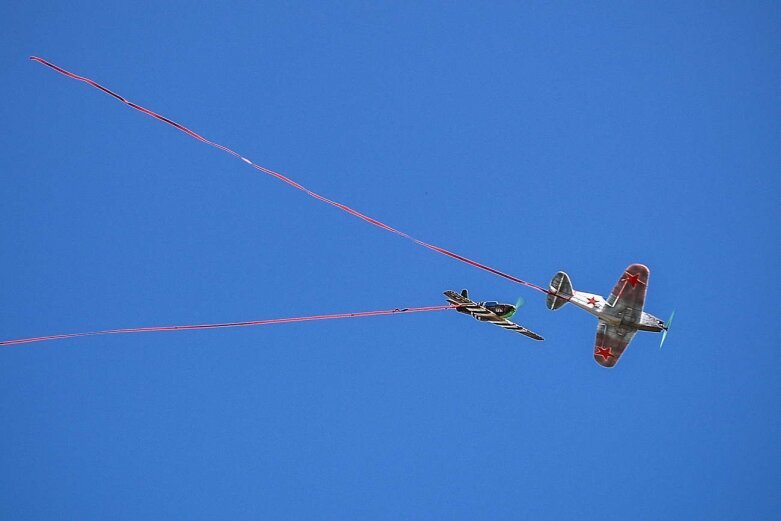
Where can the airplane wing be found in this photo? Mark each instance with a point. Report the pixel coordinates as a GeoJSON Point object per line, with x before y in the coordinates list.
{"type": "Point", "coordinates": [627, 299]}
{"type": "Point", "coordinates": [611, 343]}
{"type": "Point", "coordinates": [485, 315]}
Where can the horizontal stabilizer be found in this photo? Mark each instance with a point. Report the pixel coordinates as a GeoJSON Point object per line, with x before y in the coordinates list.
{"type": "Point", "coordinates": [560, 291]}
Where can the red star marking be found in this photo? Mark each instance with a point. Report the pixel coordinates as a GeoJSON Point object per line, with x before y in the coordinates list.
{"type": "Point", "coordinates": [605, 353]}
{"type": "Point", "coordinates": [632, 279]}
{"type": "Point", "coordinates": [591, 301]}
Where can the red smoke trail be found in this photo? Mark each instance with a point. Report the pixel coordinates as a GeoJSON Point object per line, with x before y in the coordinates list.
{"type": "Point", "coordinates": [225, 325]}
{"type": "Point", "coordinates": [290, 181]}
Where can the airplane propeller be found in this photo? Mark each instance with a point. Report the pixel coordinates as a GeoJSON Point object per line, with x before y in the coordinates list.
{"type": "Point", "coordinates": [666, 328]}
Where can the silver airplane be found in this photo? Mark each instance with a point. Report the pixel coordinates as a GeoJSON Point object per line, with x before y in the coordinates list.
{"type": "Point", "coordinates": [620, 316]}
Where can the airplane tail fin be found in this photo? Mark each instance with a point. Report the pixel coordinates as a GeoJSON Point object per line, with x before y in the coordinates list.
{"type": "Point", "coordinates": [560, 291]}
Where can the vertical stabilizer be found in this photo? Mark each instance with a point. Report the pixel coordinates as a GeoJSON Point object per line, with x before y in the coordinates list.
{"type": "Point", "coordinates": [560, 291]}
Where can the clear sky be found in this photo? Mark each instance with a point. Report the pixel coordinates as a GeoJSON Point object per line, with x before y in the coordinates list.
{"type": "Point", "coordinates": [532, 137]}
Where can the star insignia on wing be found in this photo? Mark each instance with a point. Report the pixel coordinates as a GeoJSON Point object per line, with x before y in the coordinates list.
{"type": "Point", "coordinates": [605, 353]}
{"type": "Point", "coordinates": [591, 301]}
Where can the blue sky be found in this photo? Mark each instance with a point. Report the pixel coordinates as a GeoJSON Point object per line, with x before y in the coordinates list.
{"type": "Point", "coordinates": [531, 137]}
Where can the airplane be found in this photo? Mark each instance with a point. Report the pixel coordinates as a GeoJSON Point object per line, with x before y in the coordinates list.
{"type": "Point", "coordinates": [620, 316]}
{"type": "Point", "coordinates": [491, 312]}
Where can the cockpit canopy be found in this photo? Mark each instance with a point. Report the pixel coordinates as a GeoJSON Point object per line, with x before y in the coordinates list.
{"type": "Point", "coordinates": [503, 310]}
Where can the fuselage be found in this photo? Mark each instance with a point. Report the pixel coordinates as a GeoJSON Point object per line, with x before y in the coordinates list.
{"type": "Point", "coordinates": [598, 306]}
{"type": "Point", "coordinates": [500, 310]}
